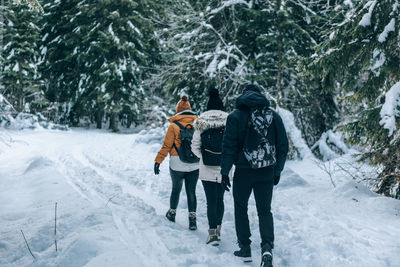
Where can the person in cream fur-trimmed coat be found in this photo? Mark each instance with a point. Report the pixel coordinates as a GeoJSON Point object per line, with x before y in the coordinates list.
{"type": "Point", "coordinates": [210, 176]}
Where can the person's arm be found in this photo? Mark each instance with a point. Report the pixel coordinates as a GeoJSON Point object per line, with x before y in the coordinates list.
{"type": "Point", "coordinates": [196, 143]}
{"type": "Point", "coordinates": [167, 145]}
{"type": "Point", "coordinates": [281, 145]}
{"type": "Point", "coordinates": [229, 145]}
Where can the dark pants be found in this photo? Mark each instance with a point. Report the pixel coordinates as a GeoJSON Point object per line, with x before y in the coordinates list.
{"type": "Point", "coordinates": [261, 182]}
{"type": "Point", "coordinates": [190, 179]}
{"type": "Point", "coordinates": [215, 203]}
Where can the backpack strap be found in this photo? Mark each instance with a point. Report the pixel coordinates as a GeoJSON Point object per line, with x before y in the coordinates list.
{"type": "Point", "coordinates": [177, 151]}
{"type": "Point", "coordinates": [180, 125]}
{"type": "Point", "coordinates": [248, 124]}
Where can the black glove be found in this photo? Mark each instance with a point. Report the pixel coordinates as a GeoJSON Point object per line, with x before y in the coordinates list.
{"type": "Point", "coordinates": [156, 168]}
{"type": "Point", "coordinates": [226, 184]}
{"type": "Point", "coordinates": [276, 179]}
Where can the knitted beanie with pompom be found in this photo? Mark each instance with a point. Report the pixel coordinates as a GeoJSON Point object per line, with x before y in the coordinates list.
{"type": "Point", "coordinates": [183, 104]}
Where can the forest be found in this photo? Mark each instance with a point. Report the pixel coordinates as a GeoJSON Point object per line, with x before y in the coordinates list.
{"type": "Point", "coordinates": [333, 65]}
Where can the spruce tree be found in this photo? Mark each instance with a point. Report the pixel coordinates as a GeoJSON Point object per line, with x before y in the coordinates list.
{"type": "Point", "coordinates": [59, 65]}
{"type": "Point", "coordinates": [20, 54]}
{"type": "Point", "coordinates": [201, 50]}
{"type": "Point", "coordinates": [116, 51]}
{"type": "Point", "coordinates": [366, 47]}
{"type": "Point", "coordinates": [227, 44]}
{"type": "Point", "coordinates": [97, 56]}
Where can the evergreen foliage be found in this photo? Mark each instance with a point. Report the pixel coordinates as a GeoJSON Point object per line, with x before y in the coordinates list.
{"type": "Point", "coordinates": [104, 46]}
{"type": "Point", "coordinates": [225, 44]}
{"type": "Point", "coordinates": [200, 50]}
{"type": "Point", "coordinates": [328, 62]}
{"type": "Point", "coordinates": [20, 80]}
{"type": "Point", "coordinates": [367, 47]}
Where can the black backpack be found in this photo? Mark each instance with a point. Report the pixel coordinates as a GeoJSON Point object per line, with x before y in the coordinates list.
{"type": "Point", "coordinates": [211, 146]}
{"type": "Point", "coordinates": [257, 149]}
{"type": "Point", "coordinates": [185, 152]}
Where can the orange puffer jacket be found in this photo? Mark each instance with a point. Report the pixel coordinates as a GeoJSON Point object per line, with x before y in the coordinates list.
{"type": "Point", "coordinates": [173, 135]}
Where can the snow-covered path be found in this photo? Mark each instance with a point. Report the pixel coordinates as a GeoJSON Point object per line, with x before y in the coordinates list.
{"type": "Point", "coordinates": [111, 210]}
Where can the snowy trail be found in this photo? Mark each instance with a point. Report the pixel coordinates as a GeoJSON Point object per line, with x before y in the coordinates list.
{"type": "Point", "coordinates": [112, 210]}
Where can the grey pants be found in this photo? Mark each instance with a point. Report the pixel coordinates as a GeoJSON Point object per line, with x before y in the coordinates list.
{"type": "Point", "coordinates": [190, 179]}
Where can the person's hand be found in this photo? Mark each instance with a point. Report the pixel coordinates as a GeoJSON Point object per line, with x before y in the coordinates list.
{"type": "Point", "coordinates": [156, 168]}
{"type": "Point", "coordinates": [276, 179]}
{"type": "Point", "coordinates": [226, 184]}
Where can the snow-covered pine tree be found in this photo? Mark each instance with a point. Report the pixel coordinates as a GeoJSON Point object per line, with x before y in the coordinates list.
{"type": "Point", "coordinates": [277, 36]}
{"type": "Point", "coordinates": [362, 59]}
{"type": "Point", "coordinates": [20, 55]}
{"type": "Point", "coordinates": [201, 50]}
{"type": "Point", "coordinates": [315, 108]}
{"type": "Point", "coordinates": [33, 4]}
{"type": "Point", "coordinates": [116, 53]}
{"type": "Point", "coordinates": [97, 57]}
{"type": "Point", "coordinates": [59, 63]}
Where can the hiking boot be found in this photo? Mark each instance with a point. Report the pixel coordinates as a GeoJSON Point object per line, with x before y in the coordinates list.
{"type": "Point", "coordinates": [212, 237]}
{"type": "Point", "coordinates": [244, 253]}
{"type": "Point", "coordinates": [171, 213]}
{"type": "Point", "coordinates": [219, 232]}
{"type": "Point", "coordinates": [266, 259]}
{"type": "Point", "coordinates": [192, 221]}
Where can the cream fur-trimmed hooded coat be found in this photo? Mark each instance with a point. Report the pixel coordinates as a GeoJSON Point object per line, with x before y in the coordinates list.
{"type": "Point", "coordinates": [207, 120]}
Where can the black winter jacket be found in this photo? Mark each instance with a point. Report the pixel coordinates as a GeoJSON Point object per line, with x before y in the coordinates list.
{"type": "Point", "coordinates": [235, 131]}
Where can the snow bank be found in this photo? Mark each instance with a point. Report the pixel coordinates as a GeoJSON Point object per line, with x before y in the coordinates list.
{"type": "Point", "coordinates": [330, 145]}
{"type": "Point", "coordinates": [29, 121]}
{"type": "Point", "coordinates": [294, 133]}
{"type": "Point", "coordinates": [111, 210]}
{"type": "Point", "coordinates": [5, 141]}
{"type": "Point", "coordinates": [23, 120]}
{"type": "Point", "coordinates": [390, 109]}
{"type": "Point", "coordinates": [150, 136]}
{"type": "Point", "coordinates": [5, 108]}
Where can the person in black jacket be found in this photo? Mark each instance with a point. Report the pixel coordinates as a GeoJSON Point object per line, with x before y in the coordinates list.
{"type": "Point", "coordinates": [246, 179]}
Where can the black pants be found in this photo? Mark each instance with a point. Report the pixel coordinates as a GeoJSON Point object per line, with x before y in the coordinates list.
{"type": "Point", "coordinates": [261, 182]}
{"type": "Point", "coordinates": [190, 179]}
{"type": "Point", "coordinates": [215, 203]}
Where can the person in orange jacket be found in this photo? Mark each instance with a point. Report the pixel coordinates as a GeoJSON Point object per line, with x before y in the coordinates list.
{"type": "Point", "coordinates": [180, 171]}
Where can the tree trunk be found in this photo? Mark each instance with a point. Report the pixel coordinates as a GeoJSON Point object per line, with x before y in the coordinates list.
{"type": "Point", "coordinates": [99, 119]}
{"type": "Point", "coordinates": [20, 93]}
{"type": "Point", "coordinates": [129, 120]}
{"type": "Point", "coordinates": [114, 122]}
{"type": "Point", "coordinates": [279, 74]}
{"type": "Point", "coordinates": [280, 55]}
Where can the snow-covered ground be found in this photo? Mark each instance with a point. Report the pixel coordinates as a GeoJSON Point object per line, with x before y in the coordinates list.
{"type": "Point", "coordinates": [110, 209]}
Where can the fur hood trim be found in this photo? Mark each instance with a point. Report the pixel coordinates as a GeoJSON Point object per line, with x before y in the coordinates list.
{"type": "Point", "coordinates": [210, 119]}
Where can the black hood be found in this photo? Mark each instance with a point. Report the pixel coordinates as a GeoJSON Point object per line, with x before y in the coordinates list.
{"type": "Point", "coordinates": [251, 99]}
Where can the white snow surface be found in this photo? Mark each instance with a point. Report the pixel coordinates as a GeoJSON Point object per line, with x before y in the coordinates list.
{"type": "Point", "coordinates": [111, 207]}
{"type": "Point", "coordinates": [294, 133]}
{"type": "Point", "coordinates": [366, 19]}
{"type": "Point", "coordinates": [391, 108]}
{"type": "Point", "coordinates": [388, 28]}
{"type": "Point", "coordinates": [330, 138]}
{"type": "Point", "coordinates": [378, 60]}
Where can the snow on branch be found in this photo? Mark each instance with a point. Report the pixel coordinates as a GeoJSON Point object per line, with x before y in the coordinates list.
{"type": "Point", "coordinates": [366, 19]}
{"type": "Point", "coordinates": [390, 108]}
{"type": "Point", "coordinates": [294, 133]}
{"type": "Point", "coordinates": [330, 145]}
{"type": "Point", "coordinates": [388, 28]}
{"type": "Point", "coordinates": [230, 3]}
{"type": "Point", "coordinates": [33, 4]}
